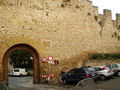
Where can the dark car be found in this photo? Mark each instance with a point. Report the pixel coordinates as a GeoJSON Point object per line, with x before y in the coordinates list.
{"type": "Point", "coordinates": [77, 74]}
{"type": "Point", "coordinates": [3, 86]}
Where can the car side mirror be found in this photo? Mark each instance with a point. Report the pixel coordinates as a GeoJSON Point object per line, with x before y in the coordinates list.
{"type": "Point", "coordinates": [69, 74]}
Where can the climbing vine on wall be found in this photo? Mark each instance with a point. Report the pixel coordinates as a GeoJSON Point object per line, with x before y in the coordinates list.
{"type": "Point", "coordinates": [66, 0]}
{"type": "Point", "coordinates": [96, 18]}
{"type": "Point", "coordinates": [89, 14]}
{"type": "Point", "coordinates": [105, 56]}
{"type": "Point", "coordinates": [65, 3]}
{"type": "Point", "coordinates": [77, 6]}
{"type": "Point", "coordinates": [118, 27]}
{"type": "Point", "coordinates": [101, 23]}
{"type": "Point", "coordinates": [116, 33]}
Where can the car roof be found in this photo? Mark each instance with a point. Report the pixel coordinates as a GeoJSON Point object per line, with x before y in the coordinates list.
{"type": "Point", "coordinates": [83, 67]}
{"type": "Point", "coordinates": [114, 63]}
{"type": "Point", "coordinates": [18, 68]}
{"type": "Point", "coordinates": [101, 66]}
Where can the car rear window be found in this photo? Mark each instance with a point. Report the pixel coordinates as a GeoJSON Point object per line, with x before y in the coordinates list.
{"type": "Point", "coordinates": [91, 69]}
{"type": "Point", "coordinates": [102, 68]}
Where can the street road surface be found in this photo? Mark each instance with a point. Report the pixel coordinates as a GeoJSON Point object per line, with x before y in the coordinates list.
{"type": "Point", "coordinates": [25, 83]}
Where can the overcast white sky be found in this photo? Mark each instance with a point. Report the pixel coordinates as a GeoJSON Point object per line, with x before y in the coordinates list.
{"type": "Point", "coordinates": [113, 5]}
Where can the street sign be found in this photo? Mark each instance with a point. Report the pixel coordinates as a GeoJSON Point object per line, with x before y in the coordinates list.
{"type": "Point", "coordinates": [56, 62]}
{"type": "Point", "coordinates": [50, 58]}
{"type": "Point", "coordinates": [44, 59]}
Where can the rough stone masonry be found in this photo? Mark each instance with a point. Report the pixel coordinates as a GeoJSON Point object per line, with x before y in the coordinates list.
{"type": "Point", "coordinates": [68, 30]}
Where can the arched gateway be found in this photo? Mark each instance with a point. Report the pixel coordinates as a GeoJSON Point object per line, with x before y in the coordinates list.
{"type": "Point", "coordinates": [36, 67]}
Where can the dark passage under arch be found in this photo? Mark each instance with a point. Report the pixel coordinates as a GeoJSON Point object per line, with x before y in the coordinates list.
{"type": "Point", "coordinates": [35, 55]}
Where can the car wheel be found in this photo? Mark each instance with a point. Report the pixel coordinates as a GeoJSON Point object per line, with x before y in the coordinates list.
{"type": "Point", "coordinates": [111, 77]}
{"type": "Point", "coordinates": [118, 74]}
{"type": "Point", "coordinates": [65, 82]}
{"type": "Point", "coordinates": [102, 77]}
{"type": "Point", "coordinates": [21, 75]}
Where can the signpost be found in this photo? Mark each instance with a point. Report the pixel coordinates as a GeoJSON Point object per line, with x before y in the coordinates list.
{"type": "Point", "coordinates": [51, 62]}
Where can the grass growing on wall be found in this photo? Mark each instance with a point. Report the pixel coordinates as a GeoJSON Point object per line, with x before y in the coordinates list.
{"type": "Point", "coordinates": [105, 56]}
{"type": "Point", "coordinates": [96, 18]}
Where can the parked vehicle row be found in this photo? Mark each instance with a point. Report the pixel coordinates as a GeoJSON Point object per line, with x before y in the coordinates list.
{"type": "Point", "coordinates": [97, 72]}
{"type": "Point", "coordinates": [77, 74]}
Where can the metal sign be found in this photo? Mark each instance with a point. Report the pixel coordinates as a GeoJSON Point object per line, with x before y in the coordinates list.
{"type": "Point", "coordinates": [44, 59]}
{"type": "Point", "coordinates": [50, 58]}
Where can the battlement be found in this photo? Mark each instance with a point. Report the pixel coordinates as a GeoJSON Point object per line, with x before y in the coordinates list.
{"type": "Point", "coordinates": [107, 13]}
{"type": "Point", "coordinates": [90, 2]}
{"type": "Point", "coordinates": [118, 17]}
{"type": "Point", "coordinates": [95, 9]}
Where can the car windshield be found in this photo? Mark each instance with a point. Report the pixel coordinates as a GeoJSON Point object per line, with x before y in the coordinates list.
{"type": "Point", "coordinates": [107, 68]}
{"type": "Point", "coordinates": [16, 70]}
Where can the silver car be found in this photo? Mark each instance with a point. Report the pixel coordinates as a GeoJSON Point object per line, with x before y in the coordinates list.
{"type": "Point", "coordinates": [104, 72]}
{"type": "Point", "coordinates": [115, 67]}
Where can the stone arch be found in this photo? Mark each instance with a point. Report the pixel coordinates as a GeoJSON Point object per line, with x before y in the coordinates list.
{"type": "Point", "coordinates": [7, 43]}
{"type": "Point", "coordinates": [35, 55]}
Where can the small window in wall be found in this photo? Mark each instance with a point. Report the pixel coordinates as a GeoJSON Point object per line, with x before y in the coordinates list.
{"type": "Point", "coordinates": [46, 43]}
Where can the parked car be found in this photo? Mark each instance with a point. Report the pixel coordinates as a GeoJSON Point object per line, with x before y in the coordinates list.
{"type": "Point", "coordinates": [104, 72]}
{"type": "Point", "coordinates": [77, 74]}
{"type": "Point", "coordinates": [3, 86]}
{"type": "Point", "coordinates": [10, 72]}
{"type": "Point", "coordinates": [115, 67]}
{"type": "Point", "coordinates": [19, 72]}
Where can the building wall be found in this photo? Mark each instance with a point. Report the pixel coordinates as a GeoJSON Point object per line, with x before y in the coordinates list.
{"type": "Point", "coordinates": [68, 30]}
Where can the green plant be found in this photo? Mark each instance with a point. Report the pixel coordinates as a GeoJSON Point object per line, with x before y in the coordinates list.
{"type": "Point", "coordinates": [118, 27]}
{"type": "Point", "coordinates": [118, 37]}
{"type": "Point", "coordinates": [66, 0]}
{"type": "Point", "coordinates": [105, 56]}
{"type": "Point", "coordinates": [112, 36]}
{"type": "Point", "coordinates": [96, 18]}
{"type": "Point", "coordinates": [77, 6]}
{"type": "Point", "coordinates": [100, 23]}
{"type": "Point", "coordinates": [62, 5]}
{"type": "Point", "coordinates": [115, 34]}
{"type": "Point", "coordinates": [20, 57]}
{"type": "Point", "coordinates": [47, 13]}
{"type": "Point", "coordinates": [89, 14]}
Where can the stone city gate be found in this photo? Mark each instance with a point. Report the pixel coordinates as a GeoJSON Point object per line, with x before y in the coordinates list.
{"type": "Point", "coordinates": [36, 68]}
{"type": "Point", "coordinates": [64, 29]}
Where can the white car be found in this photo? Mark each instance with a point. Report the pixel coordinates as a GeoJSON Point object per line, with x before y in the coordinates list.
{"type": "Point", "coordinates": [19, 72]}
{"type": "Point", "coordinates": [104, 72]}
{"type": "Point", "coordinates": [116, 68]}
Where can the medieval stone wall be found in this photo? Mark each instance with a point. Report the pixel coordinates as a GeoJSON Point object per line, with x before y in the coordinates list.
{"type": "Point", "coordinates": [68, 30]}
